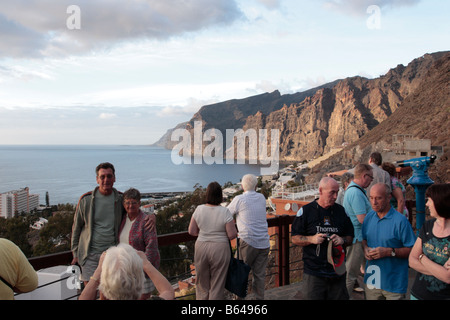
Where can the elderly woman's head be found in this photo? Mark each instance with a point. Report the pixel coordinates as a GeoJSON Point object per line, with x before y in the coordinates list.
{"type": "Point", "coordinates": [347, 177]}
{"type": "Point", "coordinates": [132, 202]}
{"type": "Point", "coordinates": [132, 194]}
{"type": "Point", "coordinates": [122, 274]}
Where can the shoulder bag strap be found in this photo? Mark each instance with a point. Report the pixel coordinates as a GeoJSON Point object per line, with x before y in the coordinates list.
{"type": "Point", "coordinates": [237, 248]}
{"type": "Point", "coordinates": [7, 283]}
{"type": "Point", "coordinates": [355, 186]}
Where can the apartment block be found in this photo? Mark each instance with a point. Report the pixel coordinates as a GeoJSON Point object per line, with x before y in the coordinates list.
{"type": "Point", "coordinates": [17, 201]}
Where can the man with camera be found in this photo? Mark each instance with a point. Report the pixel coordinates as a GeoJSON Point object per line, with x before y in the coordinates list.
{"type": "Point", "coordinates": [316, 225]}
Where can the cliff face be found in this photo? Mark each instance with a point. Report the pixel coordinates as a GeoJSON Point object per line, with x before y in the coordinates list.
{"type": "Point", "coordinates": [337, 116]}
{"type": "Point", "coordinates": [313, 122]}
{"type": "Point", "coordinates": [424, 113]}
{"type": "Point", "coordinates": [232, 114]}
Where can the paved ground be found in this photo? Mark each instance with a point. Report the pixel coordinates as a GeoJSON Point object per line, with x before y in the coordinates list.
{"type": "Point", "coordinates": [294, 291]}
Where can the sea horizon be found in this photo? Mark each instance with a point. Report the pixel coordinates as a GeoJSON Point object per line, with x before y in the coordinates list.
{"type": "Point", "coordinates": [67, 171]}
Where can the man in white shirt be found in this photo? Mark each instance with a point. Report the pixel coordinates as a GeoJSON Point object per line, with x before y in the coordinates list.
{"type": "Point", "coordinates": [379, 175]}
{"type": "Point", "coordinates": [251, 219]}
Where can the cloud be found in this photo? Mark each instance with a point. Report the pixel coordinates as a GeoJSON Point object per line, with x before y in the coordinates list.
{"type": "Point", "coordinates": [81, 125]}
{"type": "Point", "coordinates": [266, 86]}
{"type": "Point", "coordinates": [271, 4]}
{"type": "Point", "coordinates": [193, 105]}
{"type": "Point", "coordinates": [107, 116]}
{"type": "Point", "coordinates": [33, 28]}
{"type": "Point", "coordinates": [21, 72]}
{"type": "Point", "coordinates": [359, 7]}
{"type": "Point", "coordinates": [285, 87]}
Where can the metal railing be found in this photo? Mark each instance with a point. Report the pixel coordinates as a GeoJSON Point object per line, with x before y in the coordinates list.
{"type": "Point", "coordinates": [282, 250]}
{"type": "Point", "coordinates": [282, 264]}
{"type": "Point", "coordinates": [303, 192]}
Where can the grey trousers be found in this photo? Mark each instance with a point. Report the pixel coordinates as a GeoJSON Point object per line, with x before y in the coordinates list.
{"type": "Point", "coordinates": [257, 259]}
{"type": "Point", "coordinates": [211, 266]}
{"type": "Point", "coordinates": [354, 260]}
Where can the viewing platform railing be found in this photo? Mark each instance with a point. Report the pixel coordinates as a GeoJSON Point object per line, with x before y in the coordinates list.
{"type": "Point", "coordinates": [282, 265]}
{"type": "Point", "coordinates": [281, 250]}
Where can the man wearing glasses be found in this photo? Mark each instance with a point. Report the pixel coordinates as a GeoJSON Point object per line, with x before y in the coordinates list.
{"type": "Point", "coordinates": [357, 205]}
{"type": "Point", "coordinates": [97, 219]}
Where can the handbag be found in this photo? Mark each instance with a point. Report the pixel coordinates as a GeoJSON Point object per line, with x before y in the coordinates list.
{"type": "Point", "coordinates": [237, 276]}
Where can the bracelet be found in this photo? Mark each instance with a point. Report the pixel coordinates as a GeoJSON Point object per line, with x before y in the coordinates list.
{"type": "Point", "coordinates": [95, 279]}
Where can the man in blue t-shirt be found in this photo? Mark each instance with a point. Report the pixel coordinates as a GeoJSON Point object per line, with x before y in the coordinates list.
{"type": "Point", "coordinates": [357, 206]}
{"type": "Point", "coordinates": [387, 241]}
{"type": "Point", "coordinates": [315, 225]}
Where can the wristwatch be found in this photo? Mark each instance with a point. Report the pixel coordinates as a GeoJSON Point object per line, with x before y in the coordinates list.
{"type": "Point", "coordinates": [393, 252]}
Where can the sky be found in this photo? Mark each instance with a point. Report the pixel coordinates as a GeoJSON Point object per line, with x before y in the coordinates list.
{"type": "Point", "coordinates": [126, 71]}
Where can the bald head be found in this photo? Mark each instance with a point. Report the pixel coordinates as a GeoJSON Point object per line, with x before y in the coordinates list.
{"type": "Point", "coordinates": [379, 188]}
{"type": "Point", "coordinates": [379, 198]}
{"type": "Point", "coordinates": [328, 190]}
{"type": "Point", "coordinates": [326, 182]}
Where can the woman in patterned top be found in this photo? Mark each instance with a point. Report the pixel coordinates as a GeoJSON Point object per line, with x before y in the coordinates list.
{"type": "Point", "coordinates": [431, 252]}
{"type": "Point", "coordinates": [134, 232]}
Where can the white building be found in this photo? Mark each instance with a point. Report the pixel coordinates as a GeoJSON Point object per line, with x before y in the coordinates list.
{"type": "Point", "coordinates": [33, 201]}
{"type": "Point", "coordinates": [17, 201]}
{"type": "Point", "coordinates": [39, 224]}
{"type": "Point", "coordinates": [148, 208]}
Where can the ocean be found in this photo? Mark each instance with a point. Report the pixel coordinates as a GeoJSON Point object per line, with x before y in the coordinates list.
{"type": "Point", "coordinates": [66, 172]}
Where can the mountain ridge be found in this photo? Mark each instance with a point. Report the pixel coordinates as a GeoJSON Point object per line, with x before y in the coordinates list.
{"type": "Point", "coordinates": [429, 103]}
{"type": "Point", "coordinates": [336, 114]}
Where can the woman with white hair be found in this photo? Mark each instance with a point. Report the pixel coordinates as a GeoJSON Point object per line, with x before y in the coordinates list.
{"type": "Point", "coordinates": [120, 276]}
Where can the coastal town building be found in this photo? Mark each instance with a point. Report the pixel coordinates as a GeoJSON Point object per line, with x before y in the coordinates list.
{"type": "Point", "coordinates": [17, 201]}
{"type": "Point", "coordinates": [406, 146]}
{"type": "Point", "coordinates": [148, 208]}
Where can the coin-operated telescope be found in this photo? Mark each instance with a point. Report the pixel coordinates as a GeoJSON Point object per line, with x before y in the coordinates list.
{"type": "Point", "coordinates": [420, 181]}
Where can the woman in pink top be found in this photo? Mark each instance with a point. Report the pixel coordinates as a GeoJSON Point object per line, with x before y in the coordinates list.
{"type": "Point", "coordinates": [136, 232]}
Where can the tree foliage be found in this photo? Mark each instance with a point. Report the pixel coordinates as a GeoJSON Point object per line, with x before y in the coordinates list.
{"type": "Point", "coordinates": [55, 235]}
{"type": "Point", "coordinates": [52, 237]}
{"type": "Point", "coordinates": [16, 229]}
{"type": "Point", "coordinates": [172, 217]}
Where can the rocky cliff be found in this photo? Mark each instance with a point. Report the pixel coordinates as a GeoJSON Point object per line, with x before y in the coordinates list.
{"type": "Point", "coordinates": [233, 114]}
{"type": "Point", "coordinates": [340, 113]}
{"type": "Point", "coordinates": [423, 113]}
{"type": "Point", "coordinates": [338, 116]}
